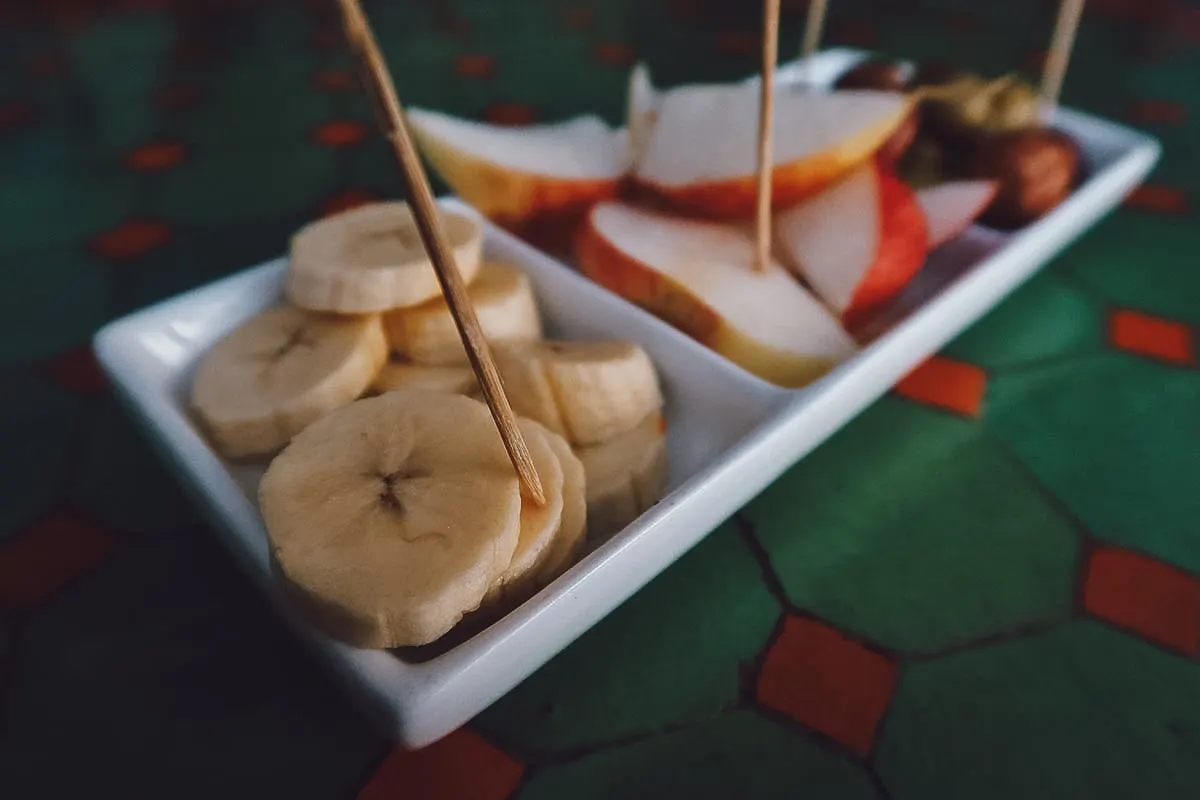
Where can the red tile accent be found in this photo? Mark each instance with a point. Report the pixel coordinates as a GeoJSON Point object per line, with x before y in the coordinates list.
{"type": "Point", "coordinates": [1157, 112]}
{"type": "Point", "coordinates": [15, 113]}
{"type": "Point", "coordinates": [132, 238]}
{"type": "Point", "coordinates": [45, 65]}
{"type": "Point", "coordinates": [1189, 25]}
{"type": "Point", "coordinates": [509, 114]}
{"type": "Point", "coordinates": [76, 370]}
{"type": "Point", "coordinates": [1152, 337]}
{"type": "Point", "coordinates": [579, 18]}
{"type": "Point", "coordinates": [952, 385]}
{"type": "Point", "coordinates": [827, 682]}
{"type": "Point", "coordinates": [618, 55]}
{"type": "Point", "coordinates": [688, 10]}
{"type": "Point", "coordinates": [1146, 596]}
{"type": "Point", "coordinates": [155, 156]}
{"type": "Point", "coordinates": [340, 133]}
{"type": "Point", "coordinates": [462, 766]}
{"type": "Point", "coordinates": [1158, 199]}
{"type": "Point", "coordinates": [346, 200]}
{"type": "Point", "coordinates": [38, 561]}
{"type": "Point", "coordinates": [333, 80]}
{"type": "Point", "coordinates": [475, 66]}
{"type": "Point", "coordinates": [177, 97]}
{"type": "Point", "coordinates": [738, 43]}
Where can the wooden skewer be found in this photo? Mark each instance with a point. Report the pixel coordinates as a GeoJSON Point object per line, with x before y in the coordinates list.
{"type": "Point", "coordinates": [390, 116]}
{"type": "Point", "coordinates": [814, 26]}
{"type": "Point", "coordinates": [766, 125]}
{"type": "Point", "coordinates": [1069, 14]}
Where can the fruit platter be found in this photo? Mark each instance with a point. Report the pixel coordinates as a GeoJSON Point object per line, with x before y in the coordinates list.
{"type": "Point", "coordinates": [323, 410]}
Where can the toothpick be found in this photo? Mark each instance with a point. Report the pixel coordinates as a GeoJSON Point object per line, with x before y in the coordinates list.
{"type": "Point", "coordinates": [390, 116]}
{"type": "Point", "coordinates": [766, 124]}
{"type": "Point", "coordinates": [1055, 71]}
{"type": "Point", "coordinates": [814, 26]}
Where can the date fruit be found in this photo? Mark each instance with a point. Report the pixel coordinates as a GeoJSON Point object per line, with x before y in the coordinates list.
{"type": "Point", "coordinates": [1035, 170]}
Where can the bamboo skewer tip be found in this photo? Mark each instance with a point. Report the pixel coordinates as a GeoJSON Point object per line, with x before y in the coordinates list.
{"type": "Point", "coordinates": [390, 118]}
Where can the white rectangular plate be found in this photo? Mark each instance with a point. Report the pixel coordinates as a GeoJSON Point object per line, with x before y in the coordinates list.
{"type": "Point", "coordinates": [729, 433]}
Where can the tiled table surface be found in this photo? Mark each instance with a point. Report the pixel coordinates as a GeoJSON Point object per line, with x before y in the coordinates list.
{"type": "Point", "coordinates": [986, 586]}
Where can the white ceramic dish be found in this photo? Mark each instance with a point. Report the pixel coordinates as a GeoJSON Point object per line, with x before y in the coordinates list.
{"type": "Point", "coordinates": [729, 433]}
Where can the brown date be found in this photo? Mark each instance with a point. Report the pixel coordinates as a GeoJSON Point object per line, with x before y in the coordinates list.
{"type": "Point", "coordinates": [1035, 169]}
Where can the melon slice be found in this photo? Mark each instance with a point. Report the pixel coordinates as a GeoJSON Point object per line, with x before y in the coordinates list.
{"type": "Point", "coordinates": [700, 155]}
{"type": "Point", "coordinates": [698, 276]}
{"type": "Point", "coordinates": [857, 244]}
{"type": "Point", "coordinates": [520, 175]}
{"type": "Point", "coordinates": [950, 208]}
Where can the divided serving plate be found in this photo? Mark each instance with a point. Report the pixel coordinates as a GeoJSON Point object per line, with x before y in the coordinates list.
{"type": "Point", "coordinates": [729, 433]}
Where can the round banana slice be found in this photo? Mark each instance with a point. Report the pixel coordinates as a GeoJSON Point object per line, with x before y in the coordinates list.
{"type": "Point", "coordinates": [401, 375]}
{"type": "Point", "coordinates": [504, 303]}
{"type": "Point", "coordinates": [540, 525]}
{"type": "Point", "coordinates": [371, 258]}
{"type": "Point", "coordinates": [625, 476]}
{"type": "Point", "coordinates": [585, 391]}
{"type": "Point", "coordinates": [573, 530]}
{"type": "Point", "coordinates": [279, 372]}
{"type": "Point", "coordinates": [393, 516]}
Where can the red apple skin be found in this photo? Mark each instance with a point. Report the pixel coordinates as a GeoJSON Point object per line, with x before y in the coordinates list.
{"type": "Point", "coordinates": [611, 268]}
{"type": "Point", "coordinates": [903, 248]}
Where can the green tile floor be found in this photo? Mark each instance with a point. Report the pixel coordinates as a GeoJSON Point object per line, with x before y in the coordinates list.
{"type": "Point", "coordinates": [988, 585]}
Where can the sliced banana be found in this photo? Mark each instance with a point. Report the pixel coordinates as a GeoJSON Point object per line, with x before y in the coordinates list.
{"type": "Point", "coordinates": [585, 391]}
{"type": "Point", "coordinates": [625, 476]}
{"type": "Point", "coordinates": [504, 303]}
{"type": "Point", "coordinates": [371, 258]}
{"type": "Point", "coordinates": [527, 384]}
{"type": "Point", "coordinates": [393, 516]}
{"type": "Point", "coordinates": [401, 375]}
{"type": "Point", "coordinates": [281, 371]}
{"type": "Point", "coordinates": [573, 530]}
{"type": "Point", "coordinates": [540, 525]}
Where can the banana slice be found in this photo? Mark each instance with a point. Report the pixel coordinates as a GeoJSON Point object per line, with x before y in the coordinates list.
{"type": "Point", "coordinates": [393, 516]}
{"type": "Point", "coordinates": [504, 302]}
{"type": "Point", "coordinates": [401, 375]}
{"type": "Point", "coordinates": [625, 476]}
{"type": "Point", "coordinates": [540, 525]}
{"type": "Point", "coordinates": [585, 391]}
{"type": "Point", "coordinates": [279, 372]}
{"type": "Point", "coordinates": [573, 530]}
{"type": "Point", "coordinates": [371, 258]}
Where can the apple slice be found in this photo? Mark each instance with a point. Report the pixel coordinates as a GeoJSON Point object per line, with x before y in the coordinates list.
{"type": "Point", "coordinates": [698, 277]}
{"type": "Point", "coordinates": [950, 208]}
{"type": "Point", "coordinates": [519, 175]}
{"type": "Point", "coordinates": [857, 244]}
{"type": "Point", "coordinates": [700, 155]}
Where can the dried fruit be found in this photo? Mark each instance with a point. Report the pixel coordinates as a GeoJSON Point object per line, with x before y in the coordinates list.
{"type": "Point", "coordinates": [971, 105]}
{"type": "Point", "coordinates": [1035, 169]}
